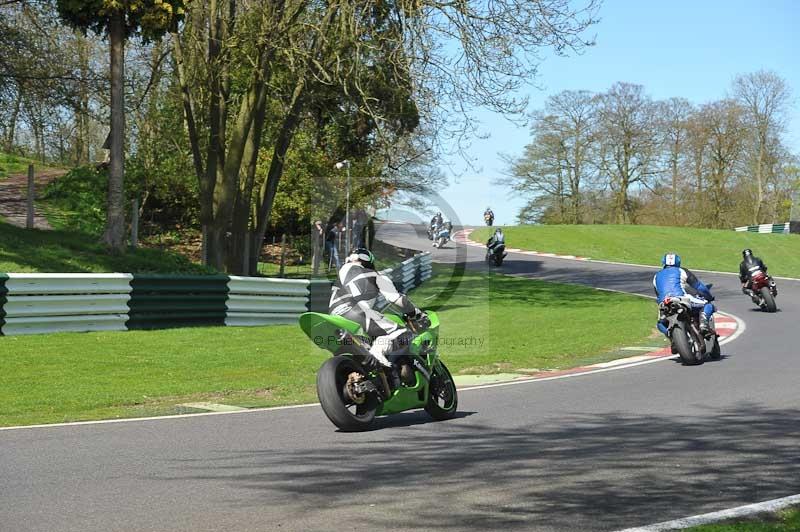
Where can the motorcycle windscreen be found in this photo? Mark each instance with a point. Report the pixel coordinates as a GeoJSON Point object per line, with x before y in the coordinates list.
{"type": "Point", "coordinates": [324, 329]}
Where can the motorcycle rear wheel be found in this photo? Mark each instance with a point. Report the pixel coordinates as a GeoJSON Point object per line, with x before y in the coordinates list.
{"type": "Point", "coordinates": [331, 391]}
{"type": "Point", "coordinates": [769, 300]}
{"type": "Point", "coordinates": [443, 398]}
{"type": "Point", "coordinates": [684, 346]}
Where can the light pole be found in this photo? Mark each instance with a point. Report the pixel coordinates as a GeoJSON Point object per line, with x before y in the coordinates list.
{"type": "Point", "coordinates": [346, 165]}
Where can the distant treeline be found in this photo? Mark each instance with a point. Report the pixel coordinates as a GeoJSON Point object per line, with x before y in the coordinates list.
{"type": "Point", "coordinates": [622, 157]}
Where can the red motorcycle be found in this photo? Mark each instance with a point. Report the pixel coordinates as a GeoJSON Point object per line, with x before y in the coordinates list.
{"type": "Point", "coordinates": [763, 291]}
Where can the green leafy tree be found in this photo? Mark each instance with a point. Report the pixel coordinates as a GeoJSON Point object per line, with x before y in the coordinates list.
{"type": "Point", "coordinates": [120, 19]}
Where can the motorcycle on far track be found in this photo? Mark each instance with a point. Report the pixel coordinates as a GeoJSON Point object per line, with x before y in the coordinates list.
{"type": "Point", "coordinates": [687, 339]}
{"type": "Point", "coordinates": [763, 292]}
{"type": "Point", "coordinates": [442, 236]}
{"type": "Point", "coordinates": [496, 254]}
{"type": "Point", "coordinates": [352, 396]}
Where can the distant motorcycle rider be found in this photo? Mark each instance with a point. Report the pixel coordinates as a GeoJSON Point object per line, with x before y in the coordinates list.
{"type": "Point", "coordinates": [497, 239]}
{"type": "Point", "coordinates": [437, 220]}
{"type": "Point", "coordinates": [488, 216]}
{"type": "Point", "coordinates": [748, 268]}
{"type": "Point", "coordinates": [353, 296]}
{"type": "Point", "coordinates": [672, 281]}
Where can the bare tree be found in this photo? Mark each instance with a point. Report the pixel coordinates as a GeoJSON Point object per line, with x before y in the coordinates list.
{"type": "Point", "coordinates": [673, 126]}
{"type": "Point", "coordinates": [559, 160]}
{"type": "Point", "coordinates": [764, 96]}
{"type": "Point", "coordinates": [628, 141]}
{"type": "Point", "coordinates": [724, 131]}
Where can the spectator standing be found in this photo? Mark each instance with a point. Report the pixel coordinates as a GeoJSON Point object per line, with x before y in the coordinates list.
{"type": "Point", "coordinates": [331, 241]}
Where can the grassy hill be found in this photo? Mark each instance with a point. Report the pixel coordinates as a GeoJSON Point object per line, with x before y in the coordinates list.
{"type": "Point", "coordinates": [23, 251]}
{"type": "Point", "coordinates": [707, 249]}
{"type": "Point", "coordinates": [15, 164]}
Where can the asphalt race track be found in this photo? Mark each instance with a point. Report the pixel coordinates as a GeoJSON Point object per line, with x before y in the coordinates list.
{"type": "Point", "coordinates": [595, 452]}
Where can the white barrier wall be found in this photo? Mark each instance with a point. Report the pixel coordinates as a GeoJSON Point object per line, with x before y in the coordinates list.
{"type": "Point", "coordinates": [765, 228]}
{"type": "Point", "coordinates": [254, 301]}
{"type": "Point", "coordinates": [38, 303]}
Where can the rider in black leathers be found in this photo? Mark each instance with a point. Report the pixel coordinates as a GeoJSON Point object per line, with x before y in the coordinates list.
{"type": "Point", "coordinates": [749, 266]}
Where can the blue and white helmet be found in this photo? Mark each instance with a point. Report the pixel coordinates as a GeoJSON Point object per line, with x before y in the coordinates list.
{"type": "Point", "coordinates": [671, 259]}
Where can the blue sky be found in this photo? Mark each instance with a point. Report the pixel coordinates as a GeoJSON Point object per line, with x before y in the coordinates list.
{"type": "Point", "coordinates": [691, 49]}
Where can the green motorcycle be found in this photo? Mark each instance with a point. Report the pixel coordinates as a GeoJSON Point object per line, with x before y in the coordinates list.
{"type": "Point", "coordinates": [352, 396]}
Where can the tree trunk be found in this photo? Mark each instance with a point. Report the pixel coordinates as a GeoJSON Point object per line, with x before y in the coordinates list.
{"type": "Point", "coordinates": [284, 139]}
{"type": "Point", "coordinates": [11, 133]}
{"type": "Point", "coordinates": [115, 213]}
{"type": "Point", "coordinates": [759, 182]}
{"type": "Point", "coordinates": [82, 126]}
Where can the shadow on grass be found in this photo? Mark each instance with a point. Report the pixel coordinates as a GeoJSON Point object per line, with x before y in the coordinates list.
{"type": "Point", "coordinates": [505, 290]}
{"type": "Point", "coordinates": [580, 472]}
{"type": "Point", "coordinates": [68, 251]}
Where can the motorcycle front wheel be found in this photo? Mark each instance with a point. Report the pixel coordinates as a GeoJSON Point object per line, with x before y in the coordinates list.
{"type": "Point", "coordinates": [336, 402]}
{"type": "Point", "coordinates": [443, 396]}
{"type": "Point", "coordinates": [684, 346]}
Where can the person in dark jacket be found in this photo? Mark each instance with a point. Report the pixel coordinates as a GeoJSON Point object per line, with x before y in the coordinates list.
{"type": "Point", "coordinates": [749, 268]}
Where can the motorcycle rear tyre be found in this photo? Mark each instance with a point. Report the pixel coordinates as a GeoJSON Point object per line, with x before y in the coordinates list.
{"type": "Point", "coordinates": [331, 379]}
{"type": "Point", "coordinates": [769, 300]}
{"type": "Point", "coordinates": [682, 344]}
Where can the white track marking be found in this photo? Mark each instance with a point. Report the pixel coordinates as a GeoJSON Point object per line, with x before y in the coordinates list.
{"type": "Point", "coordinates": [713, 517]}
{"type": "Point", "coordinates": [157, 418]}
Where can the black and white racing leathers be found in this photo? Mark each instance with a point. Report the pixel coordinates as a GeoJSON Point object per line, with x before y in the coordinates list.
{"type": "Point", "coordinates": [353, 296]}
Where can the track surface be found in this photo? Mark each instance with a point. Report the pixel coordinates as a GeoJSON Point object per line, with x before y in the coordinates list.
{"type": "Point", "coordinates": [597, 452]}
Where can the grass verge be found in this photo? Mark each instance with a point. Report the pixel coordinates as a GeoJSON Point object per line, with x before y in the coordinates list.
{"type": "Point", "coordinates": [24, 251]}
{"type": "Point", "coordinates": [490, 323]}
{"type": "Point", "coordinates": [783, 521]}
{"type": "Point", "coordinates": [707, 249]}
{"type": "Point", "coordinates": [15, 164]}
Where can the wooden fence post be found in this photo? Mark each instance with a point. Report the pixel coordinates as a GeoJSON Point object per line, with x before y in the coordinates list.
{"type": "Point", "coordinates": [283, 255]}
{"type": "Point", "coordinates": [315, 260]}
{"type": "Point", "coordinates": [134, 223]}
{"type": "Point", "coordinates": [29, 218]}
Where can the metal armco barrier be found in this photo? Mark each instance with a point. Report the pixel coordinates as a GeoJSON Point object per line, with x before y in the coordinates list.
{"type": "Point", "coordinates": [319, 294]}
{"type": "Point", "coordinates": [765, 228]}
{"type": "Point", "coordinates": [166, 301]}
{"type": "Point", "coordinates": [3, 291]}
{"type": "Point", "coordinates": [253, 301]}
{"type": "Point", "coordinates": [37, 303]}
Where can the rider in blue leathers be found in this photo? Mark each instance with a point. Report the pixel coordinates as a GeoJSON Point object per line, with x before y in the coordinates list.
{"type": "Point", "coordinates": [672, 281]}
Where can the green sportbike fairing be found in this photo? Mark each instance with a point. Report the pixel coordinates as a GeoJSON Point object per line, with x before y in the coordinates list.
{"type": "Point", "coordinates": [352, 396]}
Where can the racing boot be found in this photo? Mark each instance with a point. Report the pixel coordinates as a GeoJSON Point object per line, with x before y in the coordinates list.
{"type": "Point", "coordinates": [705, 325]}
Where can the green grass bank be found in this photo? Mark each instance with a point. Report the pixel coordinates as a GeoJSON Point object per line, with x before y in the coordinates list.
{"type": "Point", "coordinates": [490, 323]}
{"type": "Point", "coordinates": [27, 251]}
{"type": "Point", "coordinates": [706, 249]}
{"type": "Point", "coordinates": [783, 521]}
